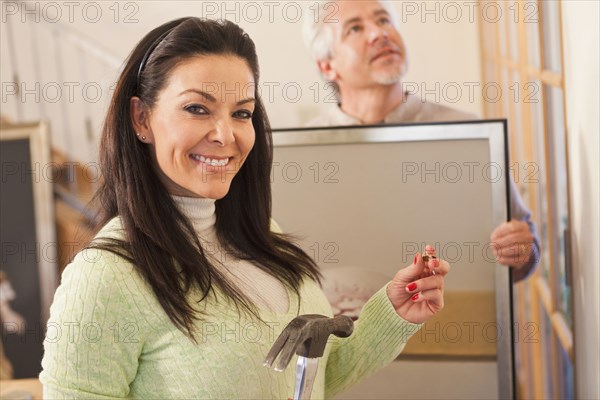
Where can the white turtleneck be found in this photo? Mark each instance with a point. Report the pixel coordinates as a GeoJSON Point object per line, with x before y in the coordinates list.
{"type": "Point", "coordinates": [266, 291]}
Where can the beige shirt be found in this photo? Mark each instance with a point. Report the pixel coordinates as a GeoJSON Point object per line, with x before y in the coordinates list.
{"type": "Point", "coordinates": [413, 109]}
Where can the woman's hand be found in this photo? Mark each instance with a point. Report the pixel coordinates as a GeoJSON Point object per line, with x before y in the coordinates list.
{"type": "Point", "coordinates": [417, 291]}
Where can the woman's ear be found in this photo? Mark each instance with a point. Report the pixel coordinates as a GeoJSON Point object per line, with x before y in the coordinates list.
{"type": "Point", "coordinates": [140, 119]}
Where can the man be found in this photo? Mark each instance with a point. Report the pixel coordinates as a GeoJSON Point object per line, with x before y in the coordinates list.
{"type": "Point", "coordinates": [358, 48]}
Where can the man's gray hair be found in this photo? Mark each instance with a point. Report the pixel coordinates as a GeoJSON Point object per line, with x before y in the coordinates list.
{"type": "Point", "coordinates": [318, 37]}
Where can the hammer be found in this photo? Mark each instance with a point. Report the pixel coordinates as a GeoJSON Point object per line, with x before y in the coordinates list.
{"type": "Point", "coordinates": [306, 336]}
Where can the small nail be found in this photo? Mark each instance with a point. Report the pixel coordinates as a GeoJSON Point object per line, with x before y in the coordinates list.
{"type": "Point", "coordinates": [411, 287]}
{"type": "Point", "coordinates": [415, 260]}
{"type": "Point", "coordinates": [435, 263]}
{"type": "Point", "coordinates": [415, 297]}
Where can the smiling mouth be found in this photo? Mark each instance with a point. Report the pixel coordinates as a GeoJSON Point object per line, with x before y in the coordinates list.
{"type": "Point", "coordinates": [214, 162]}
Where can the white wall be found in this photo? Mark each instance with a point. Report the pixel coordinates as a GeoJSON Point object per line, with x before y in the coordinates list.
{"type": "Point", "coordinates": [580, 40]}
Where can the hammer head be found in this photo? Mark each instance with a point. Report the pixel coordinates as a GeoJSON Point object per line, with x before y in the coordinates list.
{"type": "Point", "coordinates": [306, 335]}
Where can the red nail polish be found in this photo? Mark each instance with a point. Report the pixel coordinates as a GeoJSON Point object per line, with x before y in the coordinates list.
{"type": "Point", "coordinates": [415, 297]}
{"type": "Point", "coordinates": [411, 287]}
{"type": "Point", "coordinates": [415, 260]}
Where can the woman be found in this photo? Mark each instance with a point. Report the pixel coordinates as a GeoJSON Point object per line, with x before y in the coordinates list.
{"type": "Point", "coordinates": [185, 287]}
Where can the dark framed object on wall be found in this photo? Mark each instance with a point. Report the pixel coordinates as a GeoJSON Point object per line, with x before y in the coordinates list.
{"type": "Point", "coordinates": [29, 248]}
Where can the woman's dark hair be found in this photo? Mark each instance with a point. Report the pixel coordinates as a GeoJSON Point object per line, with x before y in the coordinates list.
{"type": "Point", "coordinates": [160, 241]}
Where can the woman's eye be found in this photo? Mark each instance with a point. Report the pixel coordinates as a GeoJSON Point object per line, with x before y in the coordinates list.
{"type": "Point", "coordinates": [242, 114]}
{"type": "Point", "coordinates": [384, 21]}
{"type": "Point", "coordinates": [196, 109]}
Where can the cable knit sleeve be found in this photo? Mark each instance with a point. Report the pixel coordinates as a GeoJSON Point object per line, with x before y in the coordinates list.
{"type": "Point", "coordinates": [94, 334]}
{"type": "Point", "coordinates": [379, 337]}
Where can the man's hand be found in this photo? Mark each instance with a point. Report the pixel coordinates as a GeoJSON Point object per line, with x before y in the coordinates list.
{"type": "Point", "coordinates": [417, 291]}
{"type": "Point", "coordinates": [512, 243]}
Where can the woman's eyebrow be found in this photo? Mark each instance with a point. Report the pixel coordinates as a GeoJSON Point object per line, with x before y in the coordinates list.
{"type": "Point", "coordinates": [209, 97]}
{"type": "Point", "coordinates": [248, 100]}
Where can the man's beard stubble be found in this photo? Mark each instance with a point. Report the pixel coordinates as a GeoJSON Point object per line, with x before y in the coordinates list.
{"type": "Point", "coordinates": [391, 77]}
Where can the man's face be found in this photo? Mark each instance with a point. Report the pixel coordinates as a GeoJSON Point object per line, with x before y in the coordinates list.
{"type": "Point", "coordinates": [367, 49]}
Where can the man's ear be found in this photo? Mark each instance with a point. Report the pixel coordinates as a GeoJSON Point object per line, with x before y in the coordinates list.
{"type": "Point", "coordinates": [327, 70]}
{"type": "Point", "coordinates": [140, 119]}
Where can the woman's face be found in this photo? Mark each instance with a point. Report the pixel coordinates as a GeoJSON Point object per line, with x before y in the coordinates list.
{"type": "Point", "coordinates": [200, 127]}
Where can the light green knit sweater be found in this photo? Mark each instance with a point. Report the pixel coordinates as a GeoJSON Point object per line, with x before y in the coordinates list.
{"type": "Point", "coordinates": [108, 337]}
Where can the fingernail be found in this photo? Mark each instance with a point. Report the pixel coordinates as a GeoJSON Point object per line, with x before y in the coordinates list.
{"type": "Point", "coordinates": [415, 260]}
{"type": "Point", "coordinates": [411, 287]}
{"type": "Point", "coordinates": [415, 297]}
{"type": "Point", "coordinates": [436, 263]}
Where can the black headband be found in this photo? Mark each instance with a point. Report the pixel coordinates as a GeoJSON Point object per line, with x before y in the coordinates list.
{"type": "Point", "coordinates": [149, 52]}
